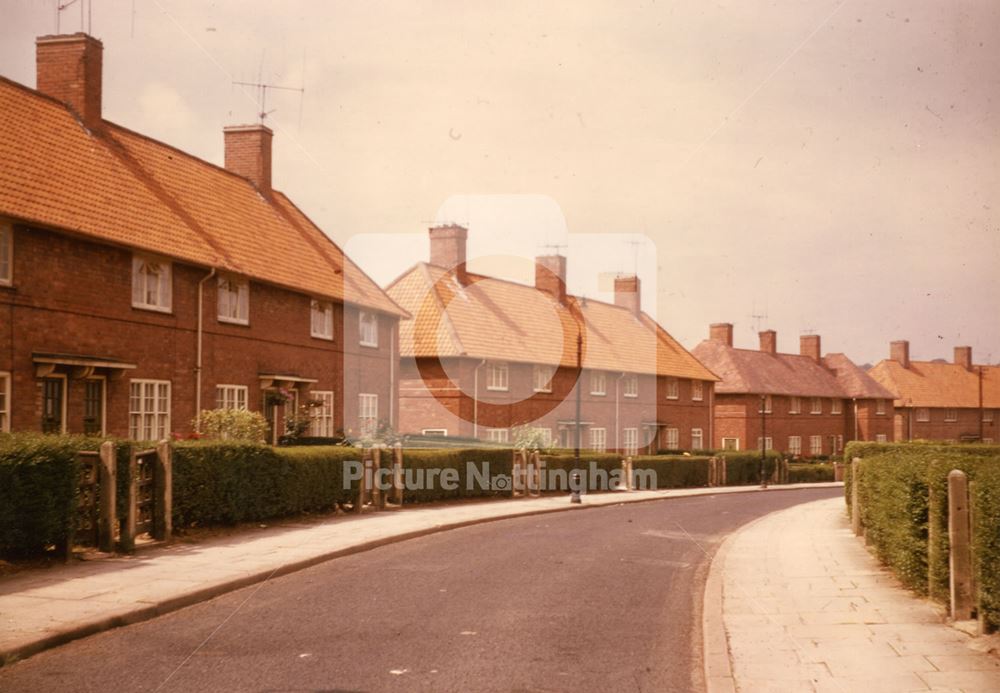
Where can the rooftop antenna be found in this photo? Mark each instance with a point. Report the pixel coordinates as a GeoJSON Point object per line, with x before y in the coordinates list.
{"type": "Point", "coordinates": [757, 318]}
{"type": "Point", "coordinates": [64, 5]}
{"type": "Point", "coordinates": [555, 247]}
{"type": "Point", "coordinates": [262, 88]}
{"type": "Point", "coordinates": [635, 243]}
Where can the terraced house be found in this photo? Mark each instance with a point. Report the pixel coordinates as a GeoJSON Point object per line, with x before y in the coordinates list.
{"type": "Point", "coordinates": [140, 284]}
{"type": "Point", "coordinates": [938, 400]}
{"type": "Point", "coordinates": [483, 355]}
{"type": "Point", "coordinates": [803, 404]}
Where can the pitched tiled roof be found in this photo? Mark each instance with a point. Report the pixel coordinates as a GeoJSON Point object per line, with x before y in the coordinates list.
{"type": "Point", "coordinates": [931, 384]}
{"type": "Point", "coordinates": [497, 319]}
{"type": "Point", "coordinates": [121, 187]}
{"type": "Point", "coordinates": [746, 371]}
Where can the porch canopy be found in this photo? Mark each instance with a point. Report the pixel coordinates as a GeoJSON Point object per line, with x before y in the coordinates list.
{"type": "Point", "coordinates": [78, 365]}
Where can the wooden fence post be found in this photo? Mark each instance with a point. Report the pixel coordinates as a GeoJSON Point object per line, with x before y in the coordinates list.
{"type": "Point", "coordinates": [720, 470]}
{"type": "Point", "coordinates": [397, 474]}
{"type": "Point", "coordinates": [517, 474]}
{"type": "Point", "coordinates": [109, 511]}
{"type": "Point", "coordinates": [362, 482]}
{"type": "Point", "coordinates": [163, 505]}
{"type": "Point", "coordinates": [378, 498]}
{"type": "Point", "coordinates": [960, 543]}
{"type": "Point", "coordinates": [127, 535]}
{"type": "Point", "coordinates": [533, 483]}
{"type": "Point", "coordinates": [855, 496]}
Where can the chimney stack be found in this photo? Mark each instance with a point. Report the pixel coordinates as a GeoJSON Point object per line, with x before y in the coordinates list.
{"type": "Point", "coordinates": [721, 332]}
{"type": "Point", "coordinates": [769, 341]}
{"type": "Point", "coordinates": [550, 276]}
{"type": "Point", "coordinates": [809, 346]}
{"type": "Point", "coordinates": [248, 154]}
{"type": "Point", "coordinates": [448, 249]}
{"type": "Point", "coordinates": [627, 293]}
{"type": "Point", "coordinates": [69, 69]}
{"type": "Point", "coordinates": [963, 357]}
{"type": "Point", "coordinates": [899, 351]}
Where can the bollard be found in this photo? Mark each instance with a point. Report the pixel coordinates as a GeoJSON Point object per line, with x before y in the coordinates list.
{"type": "Point", "coordinates": [855, 496]}
{"type": "Point", "coordinates": [960, 547]}
{"type": "Point", "coordinates": [378, 498]}
{"type": "Point", "coordinates": [109, 511]}
{"type": "Point", "coordinates": [397, 474]}
{"type": "Point", "coordinates": [163, 525]}
{"type": "Point", "coordinates": [629, 477]}
{"type": "Point", "coordinates": [575, 485]}
{"type": "Point", "coordinates": [534, 468]}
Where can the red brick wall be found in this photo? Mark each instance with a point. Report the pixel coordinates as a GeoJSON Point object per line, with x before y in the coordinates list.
{"type": "Point", "coordinates": [967, 424]}
{"type": "Point", "coordinates": [73, 296]}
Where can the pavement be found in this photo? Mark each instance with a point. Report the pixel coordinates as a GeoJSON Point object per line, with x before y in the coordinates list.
{"type": "Point", "coordinates": [795, 602]}
{"type": "Point", "coordinates": [40, 609]}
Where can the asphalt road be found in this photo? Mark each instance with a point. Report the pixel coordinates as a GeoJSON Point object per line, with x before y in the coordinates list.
{"type": "Point", "coordinates": [603, 600]}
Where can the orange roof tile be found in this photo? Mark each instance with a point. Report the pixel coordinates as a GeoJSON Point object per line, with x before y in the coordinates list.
{"type": "Point", "coordinates": [124, 188]}
{"type": "Point", "coordinates": [498, 319]}
{"type": "Point", "coordinates": [932, 384]}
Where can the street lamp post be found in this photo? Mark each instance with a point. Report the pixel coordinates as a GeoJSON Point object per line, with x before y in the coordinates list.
{"type": "Point", "coordinates": [763, 440]}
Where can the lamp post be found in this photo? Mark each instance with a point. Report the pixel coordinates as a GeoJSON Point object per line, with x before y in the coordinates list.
{"type": "Point", "coordinates": [763, 440]}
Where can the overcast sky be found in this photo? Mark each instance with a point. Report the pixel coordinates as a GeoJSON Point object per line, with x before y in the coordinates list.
{"type": "Point", "coordinates": [831, 165]}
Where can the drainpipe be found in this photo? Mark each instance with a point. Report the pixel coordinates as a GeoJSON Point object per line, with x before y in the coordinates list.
{"type": "Point", "coordinates": [618, 380]}
{"type": "Point", "coordinates": [856, 424]}
{"type": "Point", "coordinates": [711, 415]}
{"type": "Point", "coordinates": [197, 363]}
{"type": "Point", "coordinates": [393, 390]}
{"type": "Point", "coordinates": [475, 399]}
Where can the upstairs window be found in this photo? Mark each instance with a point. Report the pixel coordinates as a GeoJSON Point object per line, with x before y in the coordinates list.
{"type": "Point", "coordinates": [795, 405]}
{"type": "Point", "coordinates": [598, 383]}
{"type": "Point", "coordinates": [321, 319]}
{"type": "Point", "coordinates": [541, 377]}
{"type": "Point", "coordinates": [630, 385]}
{"type": "Point", "coordinates": [880, 406]}
{"type": "Point", "coordinates": [816, 405]}
{"type": "Point", "coordinates": [234, 300]}
{"type": "Point", "coordinates": [987, 416]}
{"type": "Point", "coordinates": [6, 253]}
{"type": "Point", "coordinates": [923, 414]}
{"type": "Point", "coordinates": [697, 390]}
{"type": "Point", "coordinates": [368, 327]}
{"type": "Point", "coordinates": [497, 376]}
{"type": "Point", "coordinates": [673, 388]}
{"type": "Point", "coordinates": [764, 404]}
{"type": "Point", "coordinates": [951, 414]}
{"type": "Point", "coordinates": [151, 284]}
{"type": "Point", "coordinates": [836, 406]}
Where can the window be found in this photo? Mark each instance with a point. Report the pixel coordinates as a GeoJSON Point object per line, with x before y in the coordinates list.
{"type": "Point", "coordinates": [987, 440]}
{"type": "Point", "coordinates": [6, 253]}
{"type": "Point", "coordinates": [730, 443]}
{"type": "Point", "coordinates": [598, 439]}
{"type": "Point", "coordinates": [880, 438]}
{"type": "Point", "coordinates": [631, 440]}
{"type": "Point", "coordinates": [434, 432]}
{"type": "Point", "coordinates": [923, 414]}
{"type": "Point", "coordinates": [815, 405]}
{"type": "Point", "coordinates": [673, 388]}
{"type": "Point", "coordinates": [795, 445]}
{"type": "Point", "coordinates": [671, 439]}
{"type": "Point", "coordinates": [321, 414]}
{"type": "Point", "coordinates": [541, 377]}
{"type": "Point", "coordinates": [766, 442]}
{"type": "Point", "coordinates": [497, 435]}
{"type": "Point", "coordinates": [368, 327]}
{"type": "Point", "coordinates": [951, 414]}
{"type": "Point", "coordinates": [367, 413]}
{"type": "Point", "coordinates": [321, 319]}
{"type": "Point", "coordinates": [836, 406]}
{"type": "Point", "coordinates": [987, 416]}
{"type": "Point", "coordinates": [631, 385]}
{"type": "Point", "coordinates": [149, 409]}
{"type": "Point", "coordinates": [815, 445]}
{"type": "Point", "coordinates": [93, 406]}
{"type": "Point", "coordinates": [767, 404]}
{"type": "Point", "coordinates": [880, 406]}
{"type": "Point", "coordinates": [795, 405]}
{"type": "Point", "coordinates": [4, 402]}
{"type": "Point", "coordinates": [151, 285]}
{"type": "Point", "coordinates": [54, 405]}
{"type": "Point", "coordinates": [840, 445]}
{"type": "Point", "coordinates": [697, 390]}
{"type": "Point", "coordinates": [697, 440]}
{"type": "Point", "coordinates": [234, 300]}
{"type": "Point", "coordinates": [230, 396]}
{"type": "Point", "coordinates": [598, 383]}
{"type": "Point", "coordinates": [497, 376]}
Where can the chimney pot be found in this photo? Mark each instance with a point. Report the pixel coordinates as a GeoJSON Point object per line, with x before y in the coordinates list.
{"type": "Point", "coordinates": [68, 68]}
{"type": "Point", "coordinates": [899, 351]}
{"type": "Point", "coordinates": [769, 341]}
{"type": "Point", "coordinates": [809, 345]}
{"type": "Point", "coordinates": [550, 276]}
{"type": "Point", "coordinates": [248, 154]}
{"type": "Point", "coordinates": [963, 357]}
{"type": "Point", "coordinates": [448, 249]}
{"type": "Point", "coordinates": [627, 293]}
{"type": "Point", "coordinates": [721, 332]}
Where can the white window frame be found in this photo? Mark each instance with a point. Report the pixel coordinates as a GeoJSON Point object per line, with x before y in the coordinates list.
{"type": "Point", "coordinates": [795, 445]}
{"type": "Point", "coordinates": [541, 378]}
{"type": "Point", "coordinates": [768, 405]}
{"type": "Point", "coordinates": [321, 423]}
{"type": "Point", "coordinates": [881, 438]}
{"type": "Point", "coordinates": [815, 405]}
{"type": "Point", "coordinates": [922, 414]}
{"type": "Point", "coordinates": [815, 445]}
{"type": "Point", "coordinates": [233, 299]}
{"type": "Point", "coordinates": [697, 439]}
{"type": "Point", "coordinates": [731, 444]}
{"type": "Point", "coordinates": [498, 376]}
{"type": "Point", "coordinates": [630, 441]}
{"type": "Point", "coordinates": [673, 388]}
{"type": "Point", "coordinates": [794, 405]}
{"type": "Point", "coordinates": [697, 391]}
{"type": "Point", "coordinates": [5, 378]}
{"type": "Point", "coordinates": [231, 397]}
{"type": "Point", "coordinates": [598, 383]}
{"type": "Point", "coordinates": [836, 406]}
{"type": "Point", "coordinates": [141, 284]}
{"type": "Point", "coordinates": [498, 435]}
{"type": "Point", "coordinates": [630, 385]}
{"type": "Point", "coordinates": [321, 319]}
{"type": "Point", "coordinates": [767, 442]}
{"type": "Point", "coordinates": [950, 414]}
{"type": "Point", "coordinates": [6, 254]}
{"type": "Point", "coordinates": [161, 416]}
{"type": "Point", "coordinates": [880, 407]}
{"type": "Point", "coordinates": [434, 432]}
{"type": "Point", "coordinates": [367, 412]}
{"type": "Point", "coordinates": [368, 328]}
{"type": "Point", "coordinates": [987, 416]}
{"type": "Point", "coordinates": [673, 438]}
{"type": "Point", "coordinates": [598, 439]}
{"type": "Point", "coordinates": [987, 440]}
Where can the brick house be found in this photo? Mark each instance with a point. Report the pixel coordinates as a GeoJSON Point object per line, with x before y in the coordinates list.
{"type": "Point", "coordinates": [140, 285]}
{"type": "Point", "coordinates": [807, 404]}
{"type": "Point", "coordinates": [936, 400]}
{"type": "Point", "coordinates": [483, 355]}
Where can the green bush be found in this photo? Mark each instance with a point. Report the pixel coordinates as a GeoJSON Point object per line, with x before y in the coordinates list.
{"type": "Point", "coordinates": [674, 471]}
{"type": "Point", "coordinates": [233, 424]}
{"type": "Point", "coordinates": [491, 461]}
{"type": "Point", "coordinates": [743, 468]}
{"type": "Point", "coordinates": [38, 482]}
{"type": "Point", "coordinates": [809, 472]}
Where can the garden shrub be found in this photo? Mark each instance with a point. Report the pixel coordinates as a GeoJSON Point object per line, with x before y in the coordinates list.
{"type": "Point", "coordinates": [809, 472]}
{"type": "Point", "coordinates": [233, 424]}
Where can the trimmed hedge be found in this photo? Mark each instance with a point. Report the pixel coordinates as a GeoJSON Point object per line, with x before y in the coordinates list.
{"type": "Point", "coordinates": [744, 467]}
{"type": "Point", "coordinates": [417, 462]}
{"type": "Point", "coordinates": [809, 472]}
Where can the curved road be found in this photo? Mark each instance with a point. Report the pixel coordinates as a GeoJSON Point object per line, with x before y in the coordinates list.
{"type": "Point", "coordinates": [607, 599]}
